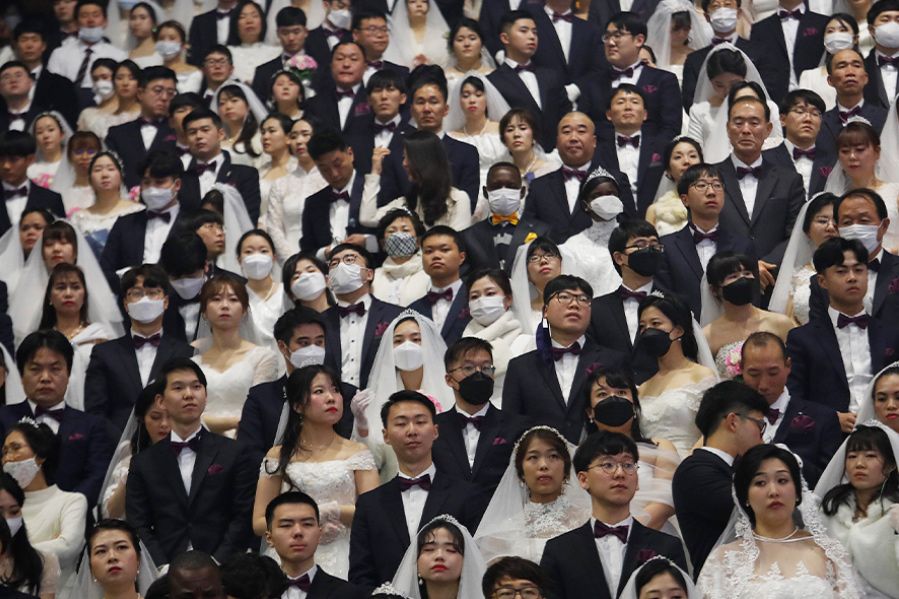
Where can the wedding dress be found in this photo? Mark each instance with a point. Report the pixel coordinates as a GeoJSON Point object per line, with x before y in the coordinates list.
{"type": "Point", "coordinates": [226, 391]}
{"type": "Point", "coordinates": [670, 415]}
{"type": "Point", "coordinates": [586, 255]}
{"type": "Point", "coordinates": [727, 359]}
{"type": "Point", "coordinates": [286, 200]}
{"type": "Point", "coordinates": [96, 227]}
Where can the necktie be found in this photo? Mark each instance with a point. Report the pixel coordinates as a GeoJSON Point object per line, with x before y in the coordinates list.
{"type": "Point", "coordinates": [357, 309]}
{"type": "Point", "coordinates": [165, 217]}
{"type": "Point", "coordinates": [568, 17]}
{"type": "Point", "coordinates": [601, 530]}
{"type": "Point", "coordinates": [887, 60]}
{"type": "Point", "coordinates": [574, 349]}
{"type": "Point", "coordinates": [423, 481]}
{"type": "Point", "coordinates": [790, 14]}
{"type": "Point", "coordinates": [619, 73]}
{"type": "Point", "coordinates": [15, 193]}
{"type": "Point", "coordinates": [475, 421]}
{"type": "Point", "coordinates": [436, 296]}
{"type": "Point", "coordinates": [339, 195]}
{"type": "Point", "coordinates": [193, 444]}
{"type": "Point", "coordinates": [205, 168]}
{"type": "Point", "coordinates": [742, 171]}
{"type": "Point", "coordinates": [624, 140]}
{"type": "Point", "coordinates": [153, 340]}
{"type": "Point", "coordinates": [625, 294]}
{"type": "Point", "coordinates": [303, 583]}
{"type": "Point", "coordinates": [799, 153]}
{"type": "Point", "coordinates": [861, 321]}
{"type": "Point", "coordinates": [379, 128]}
{"type": "Point", "coordinates": [376, 64]}
{"type": "Point", "coordinates": [719, 40]}
{"type": "Point", "coordinates": [569, 173]}
{"type": "Point", "coordinates": [874, 265]}
{"type": "Point", "coordinates": [772, 414]}
{"type": "Point", "coordinates": [345, 93]}
{"type": "Point", "coordinates": [699, 236]}
{"type": "Point", "coordinates": [54, 414]}
{"type": "Point", "coordinates": [82, 69]}
{"type": "Point", "coordinates": [524, 67]}
{"type": "Point", "coordinates": [845, 115]}
{"type": "Point", "coordinates": [500, 219]}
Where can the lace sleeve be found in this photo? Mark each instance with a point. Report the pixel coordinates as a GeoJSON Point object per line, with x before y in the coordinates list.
{"type": "Point", "coordinates": [364, 460]}
{"type": "Point", "coordinates": [713, 579]}
{"type": "Point", "coordinates": [119, 476]}
{"type": "Point", "coordinates": [275, 220]}
{"type": "Point", "coordinates": [269, 468]}
{"type": "Point", "coordinates": [269, 367]}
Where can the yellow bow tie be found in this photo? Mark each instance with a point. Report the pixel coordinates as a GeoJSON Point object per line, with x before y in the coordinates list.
{"type": "Point", "coordinates": [496, 219]}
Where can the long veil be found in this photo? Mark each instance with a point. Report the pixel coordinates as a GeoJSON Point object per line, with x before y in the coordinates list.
{"type": "Point", "coordinates": [120, 33]}
{"type": "Point", "coordinates": [835, 472]}
{"type": "Point", "coordinates": [630, 589]}
{"type": "Point", "coordinates": [659, 30]}
{"type": "Point", "coordinates": [403, 47]}
{"type": "Point", "coordinates": [84, 585]}
{"type": "Point", "coordinates": [12, 257]}
{"type": "Point", "coordinates": [12, 388]}
{"type": "Point", "coordinates": [255, 104]}
{"type": "Point", "coordinates": [496, 104]}
{"type": "Point", "coordinates": [798, 253]}
{"type": "Point", "coordinates": [237, 222]}
{"type": "Point", "coordinates": [866, 404]}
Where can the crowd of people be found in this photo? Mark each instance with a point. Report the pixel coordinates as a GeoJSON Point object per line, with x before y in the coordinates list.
{"type": "Point", "coordinates": [449, 299]}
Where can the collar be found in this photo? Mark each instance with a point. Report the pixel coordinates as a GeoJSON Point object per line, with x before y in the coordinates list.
{"type": "Point", "coordinates": [834, 315]}
{"type": "Point", "coordinates": [582, 340]}
{"type": "Point", "coordinates": [365, 299]}
{"type": "Point", "coordinates": [629, 522]}
{"type": "Point", "coordinates": [729, 459]}
{"type": "Point", "coordinates": [738, 163]}
{"type": "Point", "coordinates": [841, 108]}
{"type": "Point", "coordinates": [27, 184]}
{"type": "Point", "coordinates": [455, 286]}
{"type": "Point", "coordinates": [894, 54]}
{"type": "Point", "coordinates": [134, 333]}
{"type": "Point", "coordinates": [36, 73]}
{"type": "Point", "coordinates": [583, 168]}
{"type": "Point", "coordinates": [431, 471]}
{"type": "Point", "coordinates": [701, 230]}
{"type": "Point", "coordinates": [637, 132]}
{"type": "Point", "coordinates": [800, 8]}
{"type": "Point", "coordinates": [396, 120]}
{"type": "Point", "coordinates": [355, 88]}
{"type": "Point", "coordinates": [878, 257]}
{"type": "Point", "coordinates": [348, 188]}
{"type": "Point", "coordinates": [782, 401]}
{"type": "Point", "coordinates": [178, 439]}
{"type": "Point", "coordinates": [311, 572]}
{"type": "Point", "coordinates": [637, 65]}
{"type": "Point", "coordinates": [550, 12]}
{"type": "Point", "coordinates": [57, 406]}
{"type": "Point", "coordinates": [513, 63]}
{"type": "Point", "coordinates": [790, 146]}
{"type": "Point", "coordinates": [481, 412]}
{"type": "Point", "coordinates": [647, 289]}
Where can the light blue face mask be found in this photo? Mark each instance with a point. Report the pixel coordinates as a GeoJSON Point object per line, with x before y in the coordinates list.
{"type": "Point", "coordinates": [91, 35]}
{"type": "Point", "coordinates": [127, 4]}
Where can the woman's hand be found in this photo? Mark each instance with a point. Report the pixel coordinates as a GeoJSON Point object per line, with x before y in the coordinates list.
{"type": "Point", "coordinates": [377, 160]}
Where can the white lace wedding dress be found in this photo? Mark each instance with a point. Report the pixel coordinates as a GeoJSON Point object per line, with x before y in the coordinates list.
{"type": "Point", "coordinates": [802, 293]}
{"type": "Point", "coordinates": [227, 391]}
{"type": "Point", "coordinates": [670, 415]}
{"type": "Point", "coordinates": [587, 255]}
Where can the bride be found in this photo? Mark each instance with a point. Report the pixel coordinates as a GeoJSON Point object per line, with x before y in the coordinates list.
{"type": "Point", "coordinates": [418, 35]}
{"type": "Point", "coordinates": [770, 555]}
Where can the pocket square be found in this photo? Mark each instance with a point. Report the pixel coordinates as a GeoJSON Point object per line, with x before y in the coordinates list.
{"type": "Point", "coordinates": [75, 437]}
{"type": "Point", "coordinates": [362, 109]}
{"type": "Point", "coordinates": [650, 89]}
{"type": "Point", "coordinates": [500, 441]}
{"type": "Point", "coordinates": [215, 469]}
{"type": "Point", "coordinates": [644, 555]}
{"type": "Point", "coordinates": [802, 423]}
{"type": "Point", "coordinates": [894, 286]}
{"type": "Point", "coordinates": [809, 31]}
{"type": "Point", "coordinates": [380, 328]}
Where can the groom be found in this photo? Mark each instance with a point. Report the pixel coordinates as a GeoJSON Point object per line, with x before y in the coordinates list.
{"type": "Point", "coordinates": [612, 544]}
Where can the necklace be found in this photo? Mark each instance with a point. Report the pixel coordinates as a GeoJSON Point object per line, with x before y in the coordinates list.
{"type": "Point", "coordinates": [787, 539]}
{"type": "Point", "coordinates": [530, 165]}
{"type": "Point", "coordinates": [484, 128]}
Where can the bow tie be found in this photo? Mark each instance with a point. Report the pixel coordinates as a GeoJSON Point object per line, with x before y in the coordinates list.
{"type": "Point", "coordinates": [379, 128]}
{"type": "Point", "coordinates": [152, 123]}
{"type": "Point", "coordinates": [568, 17]}
{"type": "Point", "coordinates": [423, 481]}
{"type": "Point", "coordinates": [339, 195]}
{"type": "Point", "coordinates": [624, 140]}
{"type": "Point", "coordinates": [574, 349]}
{"type": "Point", "coordinates": [54, 414]}
{"type": "Point", "coordinates": [755, 171]}
{"type": "Point", "coordinates": [524, 67]}
{"type": "Point", "coordinates": [625, 294]}
{"type": "Point", "coordinates": [181, 151]}
{"type": "Point", "coordinates": [874, 265]}
{"type": "Point", "coordinates": [223, 15]}
{"type": "Point", "coordinates": [861, 321]}
{"type": "Point", "coordinates": [338, 33]}
{"type": "Point", "coordinates": [436, 296]}
{"type": "Point", "coordinates": [205, 168]}
{"type": "Point", "coordinates": [790, 14]}
{"type": "Point", "coordinates": [345, 93]}
{"type": "Point", "coordinates": [475, 421]}
{"type": "Point", "coordinates": [884, 60]}
{"type": "Point", "coordinates": [303, 583]}
{"type": "Point", "coordinates": [699, 236]}
{"type": "Point", "coordinates": [845, 115]}
{"type": "Point", "coordinates": [569, 173]}
{"type": "Point", "coordinates": [601, 530]}
{"type": "Point", "coordinates": [357, 309]}
{"type": "Point", "coordinates": [376, 64]}
{"type": "Point", "coordinates": [501, 219]}
{"type": "Point", "coordinates": [165, 217]}
{"type": "Point", "coordinates": [619, 73]}
{"type": "Point", "coordinates": [193, 444]}
{"type": "Point", "coordinates": [15, 193]}
{"type": "Point", "coordinates": [799, 153]}
{"type": "Point", "coordinates": [719, 40]}
{"type": "Point", "coordinates": [153, 340]}
{"type": "Point", "coordinates": [772, 414]}
{"type": "Point", "coordinates": [15, 116]}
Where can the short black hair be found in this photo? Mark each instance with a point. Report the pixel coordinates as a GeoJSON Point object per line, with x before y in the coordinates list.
{"type": "Point", "coordinates": [155, 73]}
{"type": "Point", "coordinates": [324, 142]}
{"type": "Point", "coordinates": [364, 14]}
{"type": "Point", "coordinates": [627, 229]}
{"type": "Point", "coordinates": [603, 443]}
{"type": "Point", "coordinates": [497, 275]}
{"type": "Point", "coordinates": [198, 114]}
{"type": "Point", "coordinates": [396, 214]}
{"type": "Point", "coordinates": [176, 364]}
{"type": "Point", "coordinates": [287, 498]}
{"type": "Point", "coordinates": [30, 25]}
{"type": "Point", "coordinates": [107, 63]}
{"type": "Point", "coordinates": [566, 283]}
{"type": "Point", "coordinates": [726, 263]}
{"type": "Point", "coordinates": [801, 96]}
{"type": "Point", "coordinates": [722, 399]}
{"type": "Point", "coordinates": [366, 255]}
{"type": "Point", "coordinates": [445, 231]}
{"type": "Point", "coordinates": [503, 165]}
{"type": "Point", "coordinates": [99, 3]}
{"type": "Point", "coordinates": [705, 5]}
{"type": "Point", "coordinates": [427, 74]}
{"type": "Point", "coordinates": [747, 465]}
{"type": "Point", "coordinates": [161, 164]}
{"type": "Point", "coordinates": [204, 217]}
{"type": "Point", "coordinates": [516, 568]}
{"type": "Point", "coordinates": [183, 254]}
{"type": "Point", "coordinates": [510, 16]}
{"type": "Point", "coordinates": [193, 560]}
{"type": "Point", "coordinates": [832, 253]}
{"type": "Point", "coordinates": [50, 339]}
{"type": "Point", "coordinates": [383, 79]}
{"type": "Point", "coordinates": [725, 61]}
{"type": "Point", "coordinates": [14, 64]}
{"type": "Point", "coordinates": [463, 346]}
{"type": "Point", "coordinates": [17, 143]}
{"type": "Point", "coordinates": [404, 396]}
{"type": "Point", "coordinates": [693, 174]}
{"type": "Point", "coordinates": [219, 49]}
{"type": "Point", "coordinates": [114, 524]}
{"type": "Point", "coordinates": [153, 275]}
{"type": "Point", "coordinates": [191, 99]}
{"type": "Point", "coordinates": [298, 316]}
{"type": "Point", "coordinates": [625, 88]}
{"type": "Point", "coordinates": [879, 7]}
{"type": "Point", "coordinates": [628, 21]}
{"type": "Point", "coordinates": [655, 567]}
{"type": "Point", "coordinates": [347, 42]}
{"type": "Point", "coordinates": [868, 194]}
{"type": "Point", "coordinates": [252, 576]}
{"type": "Point", "coordinates": [290, 16]}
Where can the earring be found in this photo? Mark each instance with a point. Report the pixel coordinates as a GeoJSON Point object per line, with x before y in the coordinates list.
{"type": "Point", "coordinates": [421, 582]}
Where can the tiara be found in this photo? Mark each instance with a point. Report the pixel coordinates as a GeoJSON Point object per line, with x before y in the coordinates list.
{"type": "Point", "coordinates": [539, 427]}
{"type": "Point", "coordinates": [597, 173]}
{"type": "Point", "coordinates": [858, 119]}
{"type": "Point", "coordinates": [29, 421]}
{"type": "Point", "coordinates": [443, 518]}
{"type": "Point", "coordinates": [388, 589]}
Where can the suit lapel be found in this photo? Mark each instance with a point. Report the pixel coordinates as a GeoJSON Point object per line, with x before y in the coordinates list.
{"type": "Point", "coordinates": [395, 512]}
{"type": "Point", "coordinates": [575, 401]}
{"type": "Point", "coordinates": [489, 428]}
{"type": "Point", "coordinates": [518, 87]}
{"type": "Point", "coordinates": [585, 549]}
{"type": "Point", "coordinates": [455, 437]}
{"type": "Point", "coordinates": [373, 316]}
{"type": "Point", "coordinates": [763, 190]}
{"type": "Point", "coordinates": [168, 463]}
{"type": "Point", "coordinates": [207, 452]}
{"type": "Point", "coordinates": [831, 345]}
{"type": "Point", "coordinates": [636, 541]}
{"type": "Point", "coordinates": [355, 201]}
{"type": "Point", "coordinates": [460, 300]}
{"type": "Point", "coordinates": [687, 248]}
{"type": "Point", "coordinates": [550, 37]}
{"type": "Point", "coordinates": [225, 171]}
{"type": "Point", "coordinates": [548, 372]}
{"type": "Point", "coordinates": [617, 309]}
{"type": "Point", "coordinates": [165, 351]}
{"type": "Point", "coordinates": [129, 360]}
{"type": "Point", "coordinates": [518, 236]}
{"type": "Point", "coordinates": [882, 283]}
{"type": "Point", "coordinates": [784, 427]}
{"type": "Point", "coordinates": [732, 189]}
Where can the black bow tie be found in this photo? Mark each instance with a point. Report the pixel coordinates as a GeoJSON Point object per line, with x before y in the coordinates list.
{"type": "Point", "coordinates": [54, 414]}
{"type": "Point", "coordinates": [15, 116]}
{"type": "Point", "coordinates": [423, 481]}
{"type": "Point", "coordinates": [845, 115]}
{"type": "Point", "coordinates": [524, 67]}
{"type": "Point", "coordinates": [601, 530]}
{"type": "Point", "coordinates": [799, 153]}
{"type": "Point", "coordinates": [205, 168]}
{"type": "Point", "coordinates": [165, 217]}
{"type": "Point", "coordinates": [345, 93]}
{"type": "Point", "coordinates": [357, 309]}
{"type": "Point", "coordinates": [153, 340]}
{"type": "Point", "coordinates": [338, 33]}
{"type": "Point", "coordinates": [303, 583]}
{"type": "Point", "coordinates": [223, 15]}
{"type": "Point", "coordinates": [379, 128]}
{"type": "Point", "coordinates": [570, 173]}
{"type": "Point", "coordinates": [699, 236]}
{"type": "Point", "coordinates": [574, 349]}
{"type": "Point", "coordinates": [772, 414]}
{"type": "Point", "coordinates": [719, 40]}
{"type": "Point", "coordinates": [884, 60]}
{"type": "Point", "coordinates": [624, 140]}
{"type": "Point", "coordinates": [435, 296]}
{"type": "Point", "coordinates": [861, 321]}
{"type": "Point", "coordinates": [625, 294]}
{"type": "Point", "coordinates": [619, 73]}
{"type": "Point", "coordinates": [790, 14]}
{"type": "Point", "coordinates": [152, 123]}
{"type": "Point", "coordinates": [339, 195]}
{"type": "Point", "coordinates": [755, 171]}
{"type": "Point", "coordinates": [376, 64]}
{"type": "Point", "coordinates": [874, 265]}
{"type": "Point", "coordinates": [193, 444]}
{"type": "Point", "coordinates": [475, 421]}
{"type": "Point", "coordinates": [568, 17]}
{"type": "Point", "coordinates": [19, 192]}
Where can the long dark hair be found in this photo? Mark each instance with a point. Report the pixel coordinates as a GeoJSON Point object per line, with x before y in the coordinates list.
{"type": "Point", "coordinates": [866, 438]}
{"type": "Point", "coordinates": [431, 169]}
{"type": "Point", "coordinates": [620, 379]}
{"type": "Point", "coordinates": [250, 126]}
{"type": "Point", "coordinates": [48, 316]}
{"type": "Point", "coordinates": [233, 34]}
{"type": "Point", "coordinates": [147, 398]}
{"type": "Point", "coordinates": [748, 465]}
{"type": "Point", "coordinates": [679, 315]}
{"type": "Point", "coordinates": [27, 564]}
{"type": "Point", "coordinates": [427, 534]}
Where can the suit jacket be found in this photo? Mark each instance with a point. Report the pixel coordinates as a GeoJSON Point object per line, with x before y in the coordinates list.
{"type": "Point", "coordinates": [57, 93]}
{"type": "Point", "coordinates": [379, 536]}
{"type": "Point", "coordinates": [325, 586]}
{"type": "Point", "coordinates": [831, 125]}
{"type": "Point", "coordinates": [702, 515]}
{"type": "Point", "coordinates": [825, 158]}
{"type": "Point", "coordinates": [38, 197]}
{"type": "Point", "coordinates": [324, 106]}
{"type": "Point", "coordinates": [568, 558]}
{"type": "Point", "coordinates": [112, 383]}
{"type": "Point", "coordinates": [213, 518]}
{"type": "Point", "coordinates": [601, 12]}
{"type": "Point", "coordinates": [875, 93]}
{"type": "Point", "coordinates": [818, 373]}
{"type": "Point", "coordinates": [380, 315]}
{"type": "Point", "coordinates": [532, 388]}
{"type": "Point", "coordinates": [812, 432]}
{"type": "Point", "coordinates": [885, 303]}
{"type": "Point", "coordinates": [126, 141]}
{"type": "Point", "coordinates": [481, 251]}
{"type": "Point", "coordinates": [693, 67]}
{"type": "Point", "coordinates": [649, 158]}
{"type": "Point", "coordinates": [584, 58]}
{"type": "Point", "coordinates": [778, 199]}
{"type": "Point", "coordinates": [317, 221]}
{"type": "Point", "coordinates": [85, 448]}
{"type": "Point", "coordinates": [553, 99]}
{"type": "Point", "coordinates": [362, 140]}
{"type": "Point", "coordinates": [262, 78]}
{"type": "Point", "coordinates": [457, 318]}
{"type": "Point", "coordinates": [317, 47]}
{"type": "Point", "coordinates": [807, 50]}
{"type": "Point", "coordinates": [243, 178]}
{"type": "Point", "coordinates": [203, 35]}
{"type": "Point", "coordinates": [33, 110]}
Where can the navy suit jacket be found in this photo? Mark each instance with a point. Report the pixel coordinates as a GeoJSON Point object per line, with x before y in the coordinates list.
{"type": "Point", "coordinates": [325, 586]}
{"type": "Point", "coordinates": [245, 179]}
{"type": "Point", "coordinates": [57, 93]}
{"type": "Point", "coordinates": [126, 141]}
{"type": "Point", "coordinates": [85, 448]}
{"type": "Point", "coordinates": [262, 78]}
{"type": "Point", "coordinates": [807, 50]}
{"type": "Point", "coordinates": [825, 158]}
{"type": "Point", "coordinates": [649, 160]}
{"type": "Point", "coordinates": [693, 67]}
{"type": "Point", "coordinates": [38, 197]}
{"type": "Point", "coordinates": [316, 217]}
{"type": "Point", "coordinates": [481, 251]}
{"type": "Point", "coordinates": [324, 106]}
{"type": "Point", "coordinates": [362, 140]}
{"type": "Point", "coordinates": [885, 303]}
{"type": "Point", "coordinates": [812, 432]}
{"type": "Point", "coordinates": [532, 388]}
{"type": "Point", "coordinates": [875, 93]}
{"type": "Point", "coordinates": [457, 318]}
{"type": "Point", "coordinates": [203, 36]}
{"type": "Point", "coordinates": [831, 125]}
{"type": "Point", "coordinates": [585, 56]}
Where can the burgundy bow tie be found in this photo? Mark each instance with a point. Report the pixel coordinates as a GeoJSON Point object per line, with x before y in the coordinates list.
{"type": "Point", "coordinates": [790, 14]}
{"type": "Point", "coordinates": [379, 128]}
{"type": "Point", "coordinates": [54, 414]}
{"type": "Point", "coordinates": [799, 153]}
{"type": "Point", "coordinates": [624, 140]}
{"type": "Point", "coordinates": [699, 236]}
{"type": "Point", "coordinates": [619, 73]}
{"type": "Point", "coordinates": [423, 481]}
{"type": "Point", "coordinates": [755, 171]}
{"type": "Point", "coordinates": [339, 195]}
{"type": "Point", "coordinates": [845, 115]}
{"type": "Point", "coordinates": [338, 33]}
{"type": "Point", "coordinates": [568, 17]}
{"type": "Point", "coordinates": [625, 294]}
{"type": "Point", "coordinates": [436, 296]}
{"type": "Point", "coordinates": [861, 321]}
{"type": "Point", "coordinates": [165, 217]}
{"type": "Point", "coordinates": [475, 421]}
{"type": "Point", "coordinates": [178, 446]}
{"type": "Point", "coordinates": [15, 193]}
{"type": "Point", "coordinates": [303, 583]}
{"type": "Point", "coordinates": [574, 349]}
{"type": "Point", "coordinates": [719, 40]}
{"type": "Point", "coordinates": [14, 116]}
{"type": "Point", "coordinates": [205, 168]}
{"type": "Point", "coordinates": [153, 340]}
{"type": "Point", "coordinates": [601, 530]}
{"type": "Point", "coordinates": [570, 173]}
{"type": "Point", "coordinates": [884, 60]}
{"type": "Point", "coordinates": [357, 309]}
{"type": "Point", "coordinates": [772, 414]}
{"type": "Point", "coordinates": [376, 64]}
{"type": "Point", "coordinates": [345, 93]}
{"type": "Point", "coordinates": [524, 67]}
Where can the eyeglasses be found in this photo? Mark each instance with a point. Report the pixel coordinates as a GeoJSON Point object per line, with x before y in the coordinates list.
{"type": "Point", "coordinates": [511, 593]}
{"type": "Point", "coordinates": [373, 29]}
{"type": "Point", "coordinates": [346, 259]}
{"type": "Point", "coordinates": [760, 422]}
{"type": "Point", "coordinates": [18, 76]}
{"type": "Point", "coordinates": [704, 185]}
{"type": "Point", "coordinates": [216, 62]}
{"type": "Point", "coordinates": [470, 369]}
{"type": "Point", "coordinates": [159, 90]}
{"type": "Point", "coordinates": [543, 258]}
{"type": "Point", "coordinates": [84, 151]}
{"type": "Point", "coordinates": [813, 112]}
{"type": "Point", "coordinates": [566, 298]}
{"type": "Point", "coordinates": [824, 221]}
{"type": "Point", "coordinates": [642, 245]}
{"type": "Point", "coordinates": [610, 468]}
{"type": "Point", "coordinates": [615, 35]}
{"type": "Point", "coordinates": [136, 293]}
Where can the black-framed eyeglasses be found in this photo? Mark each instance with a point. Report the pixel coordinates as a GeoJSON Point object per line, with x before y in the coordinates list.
{"type": "Point", "coordinates": [760, 422]}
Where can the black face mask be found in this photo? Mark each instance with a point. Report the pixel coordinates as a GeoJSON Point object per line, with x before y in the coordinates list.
{"type": "Point", "coordinates": [476, 388]}
{"type": "Point", "coordinates": [654, 342]}
{"type": "Point", "coordinates": [739, 292]}
{"type": "Point", "coordinates": [645, 262]}
{"type": "Point", "coordinates": [613, 411]}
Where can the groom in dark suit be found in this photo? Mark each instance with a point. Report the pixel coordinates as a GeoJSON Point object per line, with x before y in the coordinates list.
{"type": "Point", "coordinates": [580, 562]}
{"type": "Point", "coordinates": [194, 489]}
{"type": "Point", "coordinates": [731, 418]}
{"type": "Point", "coordinates": [388, 518]}
{"type": "Point", "coordinates": [17, 153]}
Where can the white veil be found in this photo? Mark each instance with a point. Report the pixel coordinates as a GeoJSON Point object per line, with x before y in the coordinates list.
{"type": "Point", "coordinates": [523, 292]}
{"type": "Point", "coordinates": [12, 257]}
{"type": "Point", "coordinates": [403, 47]}
{"type": "Point", "coordinates": [315, 15]}
{"type": "Point", "coordinates": [13, 385]}
{"type": "Point", "coordinates": [473, 565]}
{"type": "Point", "coordinates": [64, 127]}
{"type": "Point", "coordinates": [237, 222]}
{"type": "Point", "coordinates": [866, 405]}
{"type": "Point", "coordinates": [84, 584]}
{"type": "Point", "coordinates": [630, 589]}
{"type": "Point", "coordinates": [659, 30]}
{"type": "Point", "coordinates": [505, 527]}
{"type": "Point", "coordinates": [120, 33]}
{"type": "Point", "coordinates": [798, 253]}
{"type": "Point", "coordinates": [496, 104]}
{"type": "Point", "coordinates": [712, 308]}
{"type": "Point", "coordinates": [838, 183]}
{"type": "Point", "coordinates": [889, 138]}
{"type": "Point", "coordinates": [835, 473]}
{"type": "Point", "coordinates": [255, 104]}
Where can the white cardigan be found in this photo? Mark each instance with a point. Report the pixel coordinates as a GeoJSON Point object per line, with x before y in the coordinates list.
{"type": "Point", "coordinates": [508, 341]}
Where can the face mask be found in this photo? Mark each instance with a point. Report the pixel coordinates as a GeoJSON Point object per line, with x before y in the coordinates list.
{"type": "Point", "coordinates": [606, 207]}
{"type": "Point", "coordinates": [723, 20]}
{"type": "Point", "coordinates": [836, 41]}
{"type": "Point", "coordinates": [345, 278]}
{"type": "Point", "coordinates": [188, 288]}
{"type": "Point", "coordinates": [311, 355]}
{"type": "Point", "coordinates": [487, 309]}
{"type": "Point", "coordinates": [127, 4]}
{"type": "Point", "coordinates": [257, 266]}
{"type": "Point", "coordinates": [739, 292]}
{"type": "Point", "coordinates": [400, 245]}
{"type": "Point", "coordinates": [14, 525]}
{"type": "Point", "coordinates": [167, 49]}
{"type": "Point", "coordinates": [340, 18]}
{"type": "Point", "coordinates": [145, 309]}
{"type": "Point", "coordinates": [103, 88]}
{"type": "Point", "coordinates": [407, 356]}
{"type": "Point", "coordinates": [90, 35]}
{"type": "Point", "coordinates": [308, 286]}
{"type": "Point", "coordinates": [613, 411]}
{"type": "Point", "coordinates": [887, 35]}
{"type": "Point", "coordinates": [504, 201]}
{"type": "Point", "coordinates": [654, 342]}
{"type": "Point", "coordinates": [866, 234]}
{"type": "Point", "coordinates": [645, 262]}
{"type": "Point", "coordinates": [476, 388]}
{"type": "Point", "coordinates": [156, 198]}
{"type": "Point", "coordinates": [24, 471]}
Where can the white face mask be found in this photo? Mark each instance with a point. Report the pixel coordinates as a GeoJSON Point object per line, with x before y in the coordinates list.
{"type": "Point", "coordinates": [866, 234]}
{"type": "Point", "coordinates": [14, 525]}
{"type": "Point", "coordinates": [504, 201]}
{"type": "Point", "coordinates": [156, 198]}
{"type": "Point", "coordinates": [90, 35]}
{"type": "Point", "coordinates": [103, 88]}
{"type": "Point", "coordinates": [23, 471]}
{"type": "Point", "coordinates": [188, 288]}
{"type": "Point", "coordinates": [838, 40]}
{"type": "Point", "coordinates": [487, 309]}
{"type": "Point", "coordinates": [311, 355]}
{"type": "Point", "coordinates": [308, 286]}
{"type": "Point", "coordinates": [887, 35]}
{"type": "Point", "coordinates": [340, 18]}
{"type": "Point", "coordinates": [723, 20]}
{"type": "Point", "coordinates": [345, 278]}
{"type": "Point", "coordinates": [257, 266]}
{"type": "Point", "coordinates": [606, 207]}
{"type": "Point", "coordinates": [145, 309]}
{"type": "Point", "coordinates": [408, 356]}
{"type": "Point", "coordinates": [167, 49]}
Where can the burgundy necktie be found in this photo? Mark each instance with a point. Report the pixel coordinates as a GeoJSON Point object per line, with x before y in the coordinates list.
{"type": "Point", "coordinates": [772, 414]}
{"type": "Point", "coordinates": [699, 236]}
{"type": "Point", "coordinates": [345, 93]}
{"type": "Point", "coordinates": [423, 481]}
{"type": "Point", "coordinates": [845, 115]}
{"type": "Point", "coordinates": [619, 73]}
{"type": "Point", "coordinates": [339, 195]}
{"type": "Point", "coordinates": [303, 583]}
{"type": "Point", "coordinates": [165, 217]}
{"type": "Point", "coordinates": [475, 421]}
{"type": "Point", "coordinates": [15, 193]}
{"type": "Point", "coordinates": [524, 67]}
{"type": "Point", "coordinates": [601, 530]}
{"type": "Point", "coordinates": [379, 128]}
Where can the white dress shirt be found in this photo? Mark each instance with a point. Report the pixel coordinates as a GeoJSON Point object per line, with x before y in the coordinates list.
{"type": "Point", "coordinates": [344, 104]}
{"type": "Point", "coordinates": [632, 79]}
{"type": "Point", "coordinates": [888, 74]}
{"type": "Point", "coordinates": [146, 355]}
{"type": "Point", "coordinates": [209, 177]}
{"type": "Point", "coordinates": [293, 592]}
{"type": "Point", "coordinates": [790, 27]}
{"type": "Point", "coordinates": [339, 212]}
{"type": "Point", "coordinates": [803, 164]}
{"type": "Point", "coordinates": [749, 185]}
{"type": "Point", "coordinates": [628, 159]}
{"type": "Point", "coordinates": [611, 553]}
{"type": "Point", "coordinates": [530, 81]}
{"type": "Point", "coordinates": [471, 434]}
{"type": "Point", "coordinates": [157, 232]}
{"type": "Point", "coordinates": [728, 459]}
{"type": "Point", "coordinates": [781, 404]}
{"type": "Point", "coordinates": [18, 123]}
{"type": "Point", "coordinates": [190, 314]}
{"type": "Point", "coordinates": [352, 334]}
{"type": "Point", "coordinates": [187, 458]}
{"type": "Point", "coordinates": [706, 248]}
{"type": "Point", "coordinates": [856, 353]}
{"type": "Point", "coordinates": [48, 420]}
{"type": "Point", "coordinates": [66, 60]}
{"type": "Point", "coordinates": [16, 206]}
{"type": "Point", "coordinates": [440, 309]}
{"type": "Point", "coordinates": [414, 500]}
{"type": "Point", "coordinates": [148, 134]}
{"type": "Point", "coordinates": [631, 308]}
{"type": "Point", "coordinates": [383, 138]}
{"type": "Point", "coordinates": [222, 27]}
{"type": "Point", "coordinates": [566, 367]}
{"type": "Point", "coordinates": [563, 30]}
{"type": "Point", "coordinates": [573, 187]}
